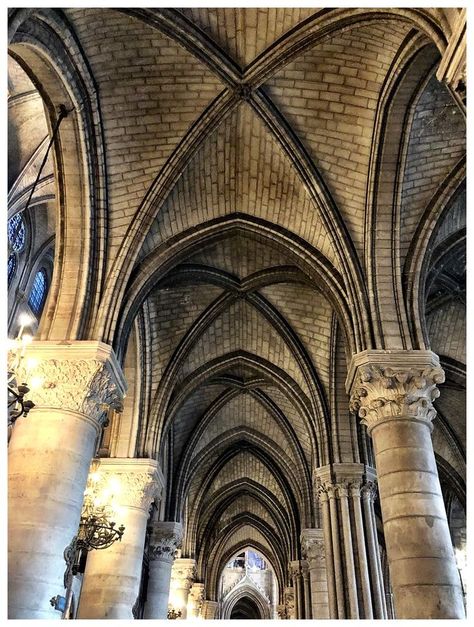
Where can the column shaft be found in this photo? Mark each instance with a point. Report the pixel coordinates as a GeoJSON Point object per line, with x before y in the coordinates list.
{"type": "Point", "coordinates": [159, 579]}
{"type": "Point", "coordinates": [307, 594]}
{"type": "Point", "coordinates": [48, 462]}
{"type": "Point", "coordinates": [337, 554]}
{"type": "Point", "coordinates": [423, 569]}
{"type": "Point", "coordinates": [372, 555]}
{"type": "Point", "coordinates": [349, 555]}
{"type": "Point", "coordinates": [331, 580]}
{"type": "Point", "coordinates": [361, 551]}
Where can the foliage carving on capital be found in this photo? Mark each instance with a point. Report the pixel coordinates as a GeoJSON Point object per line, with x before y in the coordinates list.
{"type": "Point", "coordinates": [369, 490]}
{"type": "Point", "coordinates": [164, 543]}
{"type": "Point", "coordinates": [184, 574]}
{"type": "Point", "coordinates": [313, 549]}
{"type": "Point", "coordinates": [383, 392]}
{"type": "Point", "coordinates": [83, 385]}
{"type": "Point", "coordinates": [136, 488]}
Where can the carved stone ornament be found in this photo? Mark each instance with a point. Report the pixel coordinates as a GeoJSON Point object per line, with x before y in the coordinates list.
{"type": "Point", "coordinates": [313, 548]}
{"type": "Point", "coordinates": [382, 393]}
{"type": "Point", "coordinates": [183, 573]}
{"type": "Point", "coordinates": [369, 490]}
{"type": "Point", "coordinates": [86, 386]}
{"type": "Point", "coordinates": [164, 543]}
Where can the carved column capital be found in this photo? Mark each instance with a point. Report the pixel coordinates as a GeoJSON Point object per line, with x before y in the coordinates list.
{"type": "Point", "coordinates": [165, 539]}
{"type": "Point", "coordinates": [79, 376]}
{"type": "Point", "coordinates": [294, 568]}
{"type": "Point", "coordinates": [289, 596]}
{"type": "Point", "coordinates": [137, 482]}
{"type": "Point", "coordinates": [183, 573]}
{"type": "Point", "coordinates": [387, 385]}
{"type": "Point", "coordinates": [312, 544]}
{"type": "Point", "coordinates": [369, 491]}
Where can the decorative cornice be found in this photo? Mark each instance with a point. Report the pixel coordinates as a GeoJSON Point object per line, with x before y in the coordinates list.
{"type": "Point", "coordinates": [165, 539]}
{"type": "Point", "coordinates": [80, 376]}
{"type": "Point", "coordinates": [388, 385]}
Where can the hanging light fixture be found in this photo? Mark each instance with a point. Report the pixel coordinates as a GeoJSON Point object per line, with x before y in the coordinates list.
{"type": "Point", "coordinates": [173, 614]}
{"type": "Point", "coordinates": [17, 404]}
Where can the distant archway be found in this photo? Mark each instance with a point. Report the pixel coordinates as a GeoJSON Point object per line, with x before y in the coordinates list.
{"type": "Point", "coordinates": [246, 609]}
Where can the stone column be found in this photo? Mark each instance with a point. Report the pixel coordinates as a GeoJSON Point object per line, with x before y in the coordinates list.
{"type": "Point", "coordinates": [281, 612]}
{"type": "Point", "coordinates": [355, 488]}
{"type": "Point", "coordinates": [195, 601]}
{"type": "Point", "coordinates": [164, 541]}
{"type": "Point", "coordinates": [289, 595]}
{"type": "Point", "coordinates": [49, 455]}
{"type": "Point", "coordinates": [112, 576]}
{"type": "Point", "coordinates": [182, 578]}
{"type": "Point", "coordinates": [209, 609]}
{"type": "Point", "coordinates": [348, 551]}
{"type": "Point", "coordinates": [368, 491]}
{"type": "Point", "coordinates": [295, 571]}
{"type": "Point", "coordinates": [313, 545]}
{"type": "Point", "coordinates": [307, 590]}
{"type": "Point", "coordinates": [331, 577]}
{"type": "Point", "coordinates": [336, 549]}
{"type": "Point", "coordinates": [393, 393]}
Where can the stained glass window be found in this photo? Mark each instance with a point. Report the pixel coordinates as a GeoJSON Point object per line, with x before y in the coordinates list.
{"type": "Point", "coordinates": [38, 293]}
{"type": "Point", "coordinates": [16, 232]}
{"type": "Point", "coordinates": [11, 267]}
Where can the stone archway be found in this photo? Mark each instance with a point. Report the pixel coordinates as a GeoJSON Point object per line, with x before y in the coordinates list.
{"type": "Point", "coordinates": [245, 598]}
{"type": "Point", "coordinates": [247, 609]}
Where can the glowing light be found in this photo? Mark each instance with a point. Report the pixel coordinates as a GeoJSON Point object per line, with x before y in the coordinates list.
{"type": "Point", "coordinates": [95, 476]}
{"type": "Point", "coordinates": [25, 319]}
{"type": "Point", "coordinates": [114, 485]}
{"type": "Point", "coordinates": [26, 339]}
{"type": "Point", "coordinates": [36, 382]}
{"type": "Point", "coordinates": [32, 362]}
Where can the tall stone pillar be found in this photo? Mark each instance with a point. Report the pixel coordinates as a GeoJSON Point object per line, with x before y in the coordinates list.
{"type": "Point", "coordinates": [393, 393]}
{"type": "Point", "coordinates": [209, 609]}
{"type": "Point", "coordinates": [295, 571]}
{"type": "Point", "coordinates": [182, 578]}
{"type": "Point", "coordinates": [348, 551]}
{"type": "Point", "coordinates": [289, 596]}
{"type": "Point", "coordinates": [112, 576]}
{"type": "Point", "coordinates": [164, 541]}
{"type": "Point", "coordinates": [355, 492]}
{"type": "Point", "coordinates": [328, 552]}
{"type": "Point", "coordinates": [195, 601]}
{"type": "Point", "coordinates": [49, 455]}
{"type": "Point", "coordinates": [368, 492]}
{"type": "Point", "coordinates": [308, 605]}
{"type": "Point", "coordinates": [313, 546]}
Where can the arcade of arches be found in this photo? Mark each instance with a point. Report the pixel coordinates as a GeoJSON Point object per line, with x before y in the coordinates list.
{"type": "Point", "coordinates": [243, 262]}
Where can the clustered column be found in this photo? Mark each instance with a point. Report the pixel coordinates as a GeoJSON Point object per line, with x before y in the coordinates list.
{"type": "Point", "coordinates": [112, 576]}
{"type": "Point", "coordinates": [49, 455]}
{"type": "Point", "coordinates": [393, 393]}
{"type": "Point", "coordinates": [165, 539]}
{"type": "Point", "coordinates": [183, 574]}
{"type": "Point", "coordinates": [313, 547]}
{"type": "Point", "coordinates": [345, 534]}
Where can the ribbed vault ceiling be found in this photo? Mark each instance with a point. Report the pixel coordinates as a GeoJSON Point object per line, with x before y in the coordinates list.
{"type": "Point", "coordinates": [240, 150]}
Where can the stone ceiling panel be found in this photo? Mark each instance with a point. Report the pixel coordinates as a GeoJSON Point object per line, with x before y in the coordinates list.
{"type": "Point", "coordinates": [144, 81]}
{"type": "Point", "coordinates": [172, 312]}
{"type": "Point", "coordinates": [240, 168]}
{"type": "Point", "coordinates": [245, 33]}
{"type": "Point", "coordinates": [329, 95]}
{"type": "Point", "coordinates": [241, 327]}
{"type": "Point", "coordinates": [310, 316]}
{"type": "Point", "coordinates": [437, 142]}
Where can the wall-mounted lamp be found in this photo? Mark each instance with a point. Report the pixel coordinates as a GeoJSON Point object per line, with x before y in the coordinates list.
{"type": "Point", "coordinates": [17, 404]}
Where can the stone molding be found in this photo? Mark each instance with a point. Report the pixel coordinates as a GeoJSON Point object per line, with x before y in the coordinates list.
{"type": "Point", "coordinates": [183, 573]}
{"type": "Point", "coordinates": [452, 68]}
{"type": "Point", "coordinates": [81, 376]}
{"type": "Point", "coordinates": [312, 544]}
{"type": "Point", "coordinates": [165, 539]}
{"type": "Point", "coordinates": [141, 482]}
{"type": "Point", "coordinates": [387, 385]}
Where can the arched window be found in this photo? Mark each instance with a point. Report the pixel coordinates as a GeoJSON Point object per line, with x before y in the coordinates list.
{"type": "Point", "coordinates": [16, 233]}
{"type": "Point", "coordinates": [38, 292]}
{"type": "Point", "coordinates": [11, 267]}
